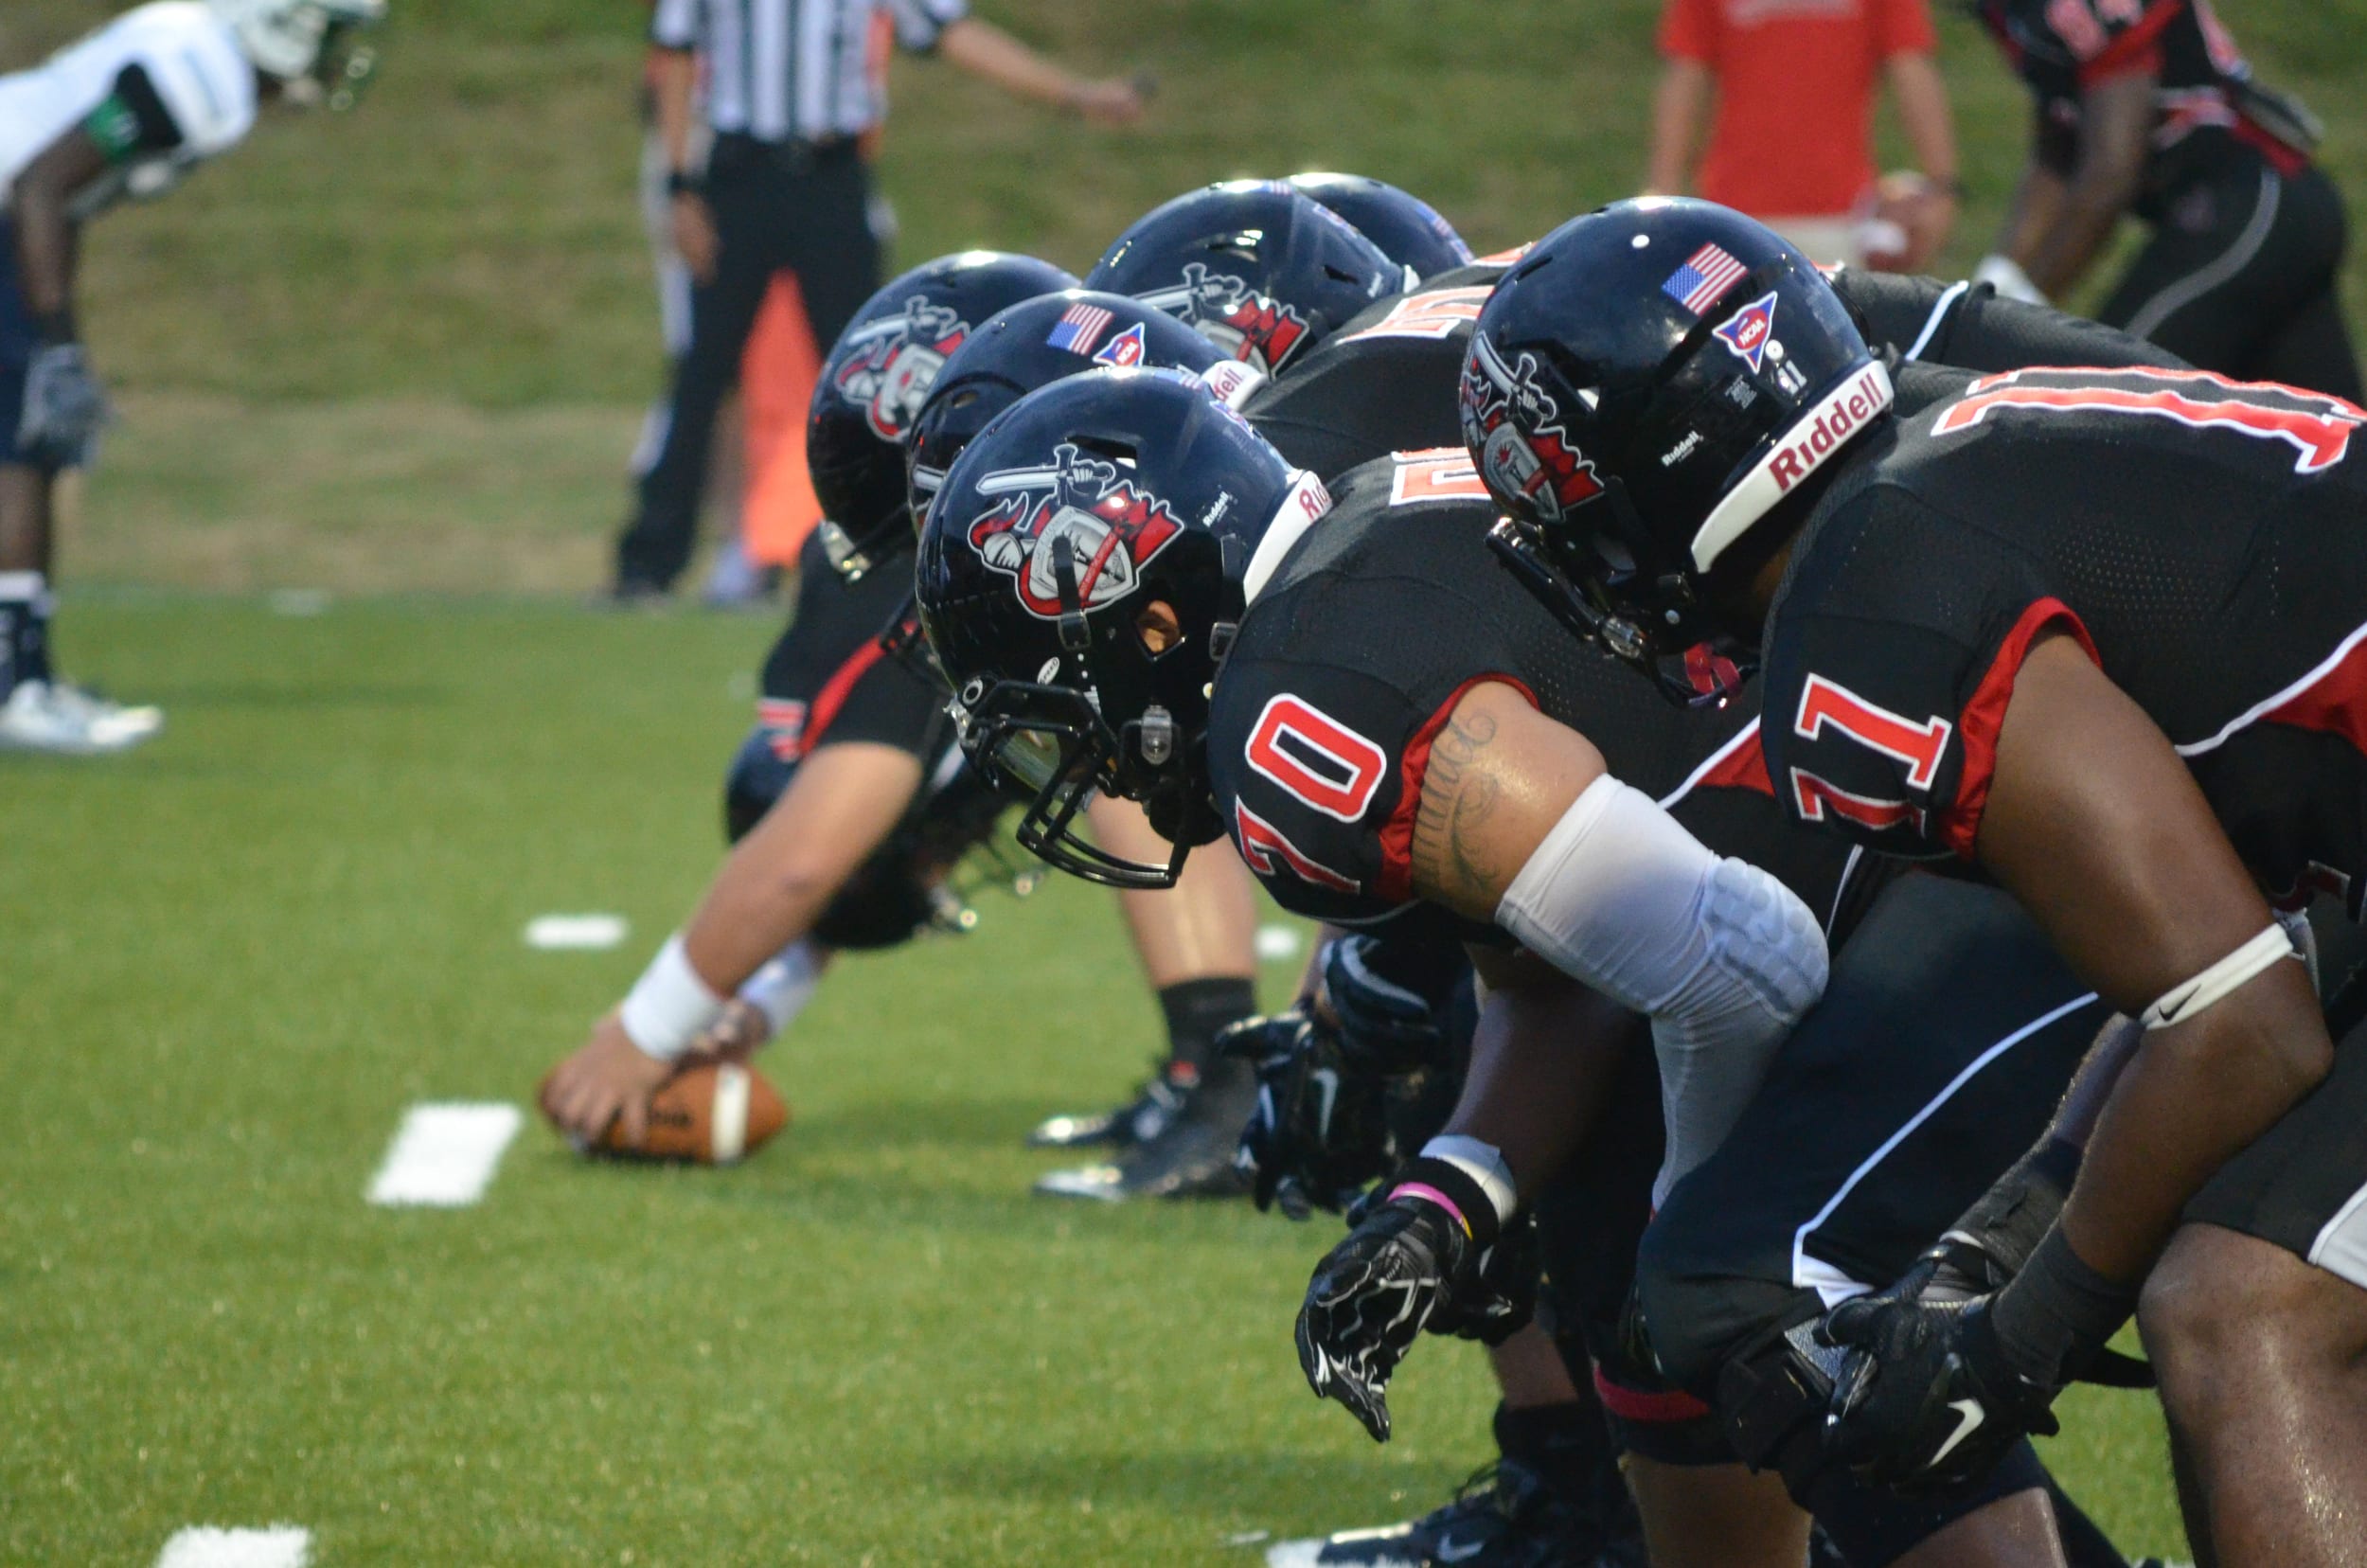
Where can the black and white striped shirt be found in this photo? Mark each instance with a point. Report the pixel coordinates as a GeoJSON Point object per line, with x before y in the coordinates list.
{"type": "Point", "coordinates": [795, 70]}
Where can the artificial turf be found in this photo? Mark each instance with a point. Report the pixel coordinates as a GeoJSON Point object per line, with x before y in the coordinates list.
{"type": "Point", "coordinates": [234, 958]}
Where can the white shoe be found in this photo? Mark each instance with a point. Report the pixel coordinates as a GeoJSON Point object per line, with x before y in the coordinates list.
{"type": "Point", "coordinates": [48, 716]}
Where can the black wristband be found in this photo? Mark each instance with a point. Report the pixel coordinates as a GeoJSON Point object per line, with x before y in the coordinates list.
{"type": "Point", "coordinates": [679, 182]}
{"type": "Point", "coordinates": [2058, 1314]}
{"type": "Point", "coordinates": [56, 327]}
{"type": "Point", "coordinates": [1452, 1182]}
{"type": "Point", "coordinates": [2009, 1220]}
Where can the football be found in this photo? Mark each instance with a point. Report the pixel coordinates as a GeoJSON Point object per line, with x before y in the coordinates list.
{"type": "Point", "coordinates": [711, 1113]}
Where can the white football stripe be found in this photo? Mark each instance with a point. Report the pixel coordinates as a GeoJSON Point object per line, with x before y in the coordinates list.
{"type": "Point", "coordinates": [207, 1546]}
{"type": "Point", "coordinates": [444, 1155]}
{"type": "Point", "coordinates": [728, 1125]}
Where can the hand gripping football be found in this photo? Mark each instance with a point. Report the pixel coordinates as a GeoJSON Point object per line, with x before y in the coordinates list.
{"type": "Point", "coordinates": [710, 1114]}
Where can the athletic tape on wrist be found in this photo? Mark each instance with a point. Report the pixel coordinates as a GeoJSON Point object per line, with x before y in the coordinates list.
{"type": "Point", "coordinates": [670, 1006]}
{"type": "Point", "coordinates": [2181, 1002]}
{"type": "Point", "coordinates": [1485, 1164]}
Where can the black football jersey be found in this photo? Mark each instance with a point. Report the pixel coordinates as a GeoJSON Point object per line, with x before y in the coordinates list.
{"type": "Point", "coordinates": [1353, 655]}
{"type": "Point", "coordinates": [1383, 382]}
{"type": "Point", "coordinates": [2205, 101]}
{"type": "Point", "coordinates": [2206, 539]}
{"type": "Point", "coordinates": [1968, 326]}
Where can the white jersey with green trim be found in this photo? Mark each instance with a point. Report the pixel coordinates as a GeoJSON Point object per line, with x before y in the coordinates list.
{"type": "Point", "coordinates": [191, 57]}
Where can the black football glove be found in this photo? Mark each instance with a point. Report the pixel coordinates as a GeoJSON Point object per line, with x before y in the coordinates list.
{"type": "Point", "coordinates": [64, 407]}
{"type": "Point", "coordinates": [1318, 1134]}
{"type": "Point", "coordinates": [1409, 1265]}
{"type": "Point", "coordinates": [1926, 1398]}
{"type": "Point", "coordinates": [1371, 1297]}
{"type": "Point", "coordinates": [1384, 1026]}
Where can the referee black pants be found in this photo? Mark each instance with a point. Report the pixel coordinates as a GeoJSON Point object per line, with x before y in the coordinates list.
{"type": "Point", "coordinates": [776, 209]}
{"type": "Point", "coordinates": [2242, 276]}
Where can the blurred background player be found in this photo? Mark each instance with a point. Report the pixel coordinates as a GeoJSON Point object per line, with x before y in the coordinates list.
{"type": "Point", "coordinates": [127, 111]}
{"type": "Point", "coordinates": [1792, 133]}
{"type": "Point", "coordinates": [2146, 107]}
{"type": "Point", "coordinates": [792, 94]}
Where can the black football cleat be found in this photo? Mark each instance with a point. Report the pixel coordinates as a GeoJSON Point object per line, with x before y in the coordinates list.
{"type": "Point", "coordinates": [1139, 1120]}
{"type": "Point", "coordinates": [1503, 1517]}
{"type": "Point", "coordinates": [1188, 1153]}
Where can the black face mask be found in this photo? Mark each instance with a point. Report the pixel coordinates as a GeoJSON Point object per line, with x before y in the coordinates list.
{"type": "Point", "coordinates": [1048, 746]}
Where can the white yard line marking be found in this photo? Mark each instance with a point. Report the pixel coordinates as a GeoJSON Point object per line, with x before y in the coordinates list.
{"type": "Point", "coordinates": [206, 1546]}
{"type": "Point", "coordinates": [1278, 942]}
{"type": "Point", "coordinates": [300, 602]}
{"type": "Point", "coordinates": [576, 932]}
{"type": "Point", "coordinates": [444, 1155]}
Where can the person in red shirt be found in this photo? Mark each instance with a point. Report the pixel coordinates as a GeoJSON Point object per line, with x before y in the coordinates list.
{"type": "Point", "coordinates": [1792, 140]}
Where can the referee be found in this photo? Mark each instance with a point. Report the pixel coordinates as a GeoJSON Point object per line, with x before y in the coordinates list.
{"type": "Point", "coordinates": [793, 87]}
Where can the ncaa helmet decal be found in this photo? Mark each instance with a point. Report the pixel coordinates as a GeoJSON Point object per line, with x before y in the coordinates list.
{"type": "Point", "coordinates": [890, 378]}
{"type": "Point", "coordinates": [1749, 331]}
{"type": "Point", "coordinates": [1072, 535]}
{"type": "Point", "coordinates": [1517, 435]}
{"type": "Point", "coordinates": [1253, 327]}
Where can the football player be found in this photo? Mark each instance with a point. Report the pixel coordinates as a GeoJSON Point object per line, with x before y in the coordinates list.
{"type": "Point", "coordinates": [842, 828]}
{"type": "Point", "coordinates": [2147, 107]}
{"type": "Point", "coordinates": [128, 111]}
{"type": "Point", "coordinates": [1259, 269]}
{"type": "Point", "coordinates": [1382, 381]}
{"type": "Point", "coordinates": [2097, 633]}
{"type": "Point", "coordinates": [1368, 773]}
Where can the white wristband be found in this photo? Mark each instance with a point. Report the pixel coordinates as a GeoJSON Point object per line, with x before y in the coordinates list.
{"type": "Point", "coordinates": [1483, 1163]}
{"type": "Point", "coordinates": [670, 1006]}
{"type": "Point", "coordinates": [2005, 275]}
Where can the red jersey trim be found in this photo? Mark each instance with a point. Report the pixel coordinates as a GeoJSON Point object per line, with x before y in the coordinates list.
{"type": "Point", "coordinates": [1397, 834]}
{"type": "Point", "coordinates": [1984, 716]}
{"type": "Point", "coordinates": [2137, 50]}
{"type": "Point", "coordinates": [1664, 1407]}
{"type": "Point", "coordinates": [835, 690]}
{"type": "Point", "coordinates": [2332, 697]}
{"type": "Point", "coordinates": [1739, 764]}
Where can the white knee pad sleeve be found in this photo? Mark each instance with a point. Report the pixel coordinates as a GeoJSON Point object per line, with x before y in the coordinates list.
{"type": "Point", "coordinates": [1721, 956]}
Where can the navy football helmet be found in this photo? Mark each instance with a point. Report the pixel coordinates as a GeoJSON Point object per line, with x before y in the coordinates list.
{"type": "Point", "coordinates": [876, 378]}
{"type": "Point", "coordinates": [1406, 228]}
{"type": "Point", "coordinates": [1034, 344]}
{"type": "Point", "coordinates": [1641, 388]}
{"type": "Point", "coordinates": [1059, 530]}
{"type": "Point", "coordinates": [1257, 269]}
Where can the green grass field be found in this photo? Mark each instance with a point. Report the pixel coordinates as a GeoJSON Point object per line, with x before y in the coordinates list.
{"type": "Point", "coordinates": [237, 957]}
{"type": "Point", "coordinates": [400, 356]}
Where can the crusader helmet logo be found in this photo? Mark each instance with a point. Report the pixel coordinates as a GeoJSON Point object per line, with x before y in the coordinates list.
{"type": "Point", "coordinates": [900, 358]}
{"type": "Point", "coordinates": [1251, 327]}
{"type": "Point", "coordinates": [1517, 427]}
{"type": "Point", "coordinates": [1073, 528]}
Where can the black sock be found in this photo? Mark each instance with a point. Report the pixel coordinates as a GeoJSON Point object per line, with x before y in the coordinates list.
{"type": "Point", "coordinates": [1197, 1011]}
{"type": "Point", "coordinates": [1566, 1446]}
{"type": "Point", "coordinates": [24, 629]}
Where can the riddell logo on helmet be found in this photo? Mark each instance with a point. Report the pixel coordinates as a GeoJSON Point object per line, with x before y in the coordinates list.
{"type": "Point", "coordinates": [1843, 415]}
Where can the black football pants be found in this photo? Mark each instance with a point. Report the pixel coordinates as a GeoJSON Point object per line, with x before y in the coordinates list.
{"type": "Point", "coordinates": [2241, 276]}
{"type": "Point", "coordinates": [776, 209]}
